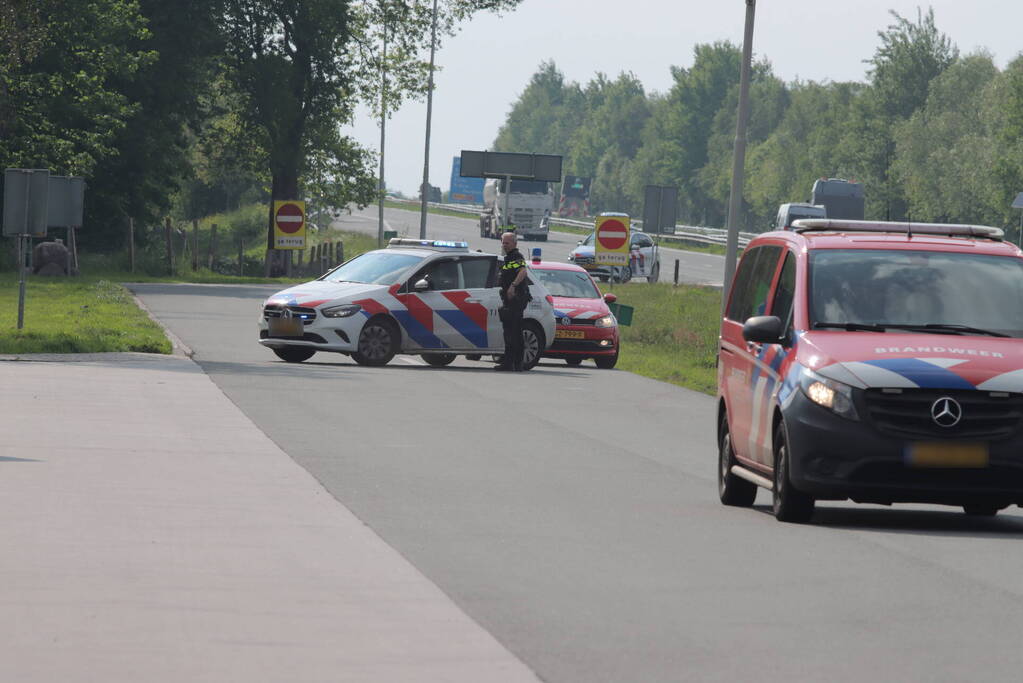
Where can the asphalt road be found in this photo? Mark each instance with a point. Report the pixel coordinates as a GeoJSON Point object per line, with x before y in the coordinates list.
{"type": "Point", "coordinates": [573, 513]}
{"type": "Point", "coordinates": [694, 267]}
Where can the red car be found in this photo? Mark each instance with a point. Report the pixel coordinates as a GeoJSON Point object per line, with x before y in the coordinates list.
{"type": "Point", "coordinates": [586, 328]}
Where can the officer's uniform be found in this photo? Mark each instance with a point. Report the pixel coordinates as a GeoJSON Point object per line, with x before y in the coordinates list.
{"type": "Point", "coordinates": [511, 310]}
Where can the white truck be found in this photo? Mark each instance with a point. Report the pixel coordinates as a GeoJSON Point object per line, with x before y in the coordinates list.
{"type": "Point", "coordinates": [528, 206]}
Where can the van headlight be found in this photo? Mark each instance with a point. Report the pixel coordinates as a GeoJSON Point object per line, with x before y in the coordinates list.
{"type": "Point", "coordinates": [342, 311]}
{"type": "Point", "coordinates": [606, 321]}
{"type": "Point", "coordinates": [828, 393]}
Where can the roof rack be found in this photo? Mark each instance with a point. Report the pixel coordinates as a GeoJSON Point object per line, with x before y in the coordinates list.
{"type": "Point", "coordinates": [949, 229]}
{"type": "Point", "coordinates": [446, 245]}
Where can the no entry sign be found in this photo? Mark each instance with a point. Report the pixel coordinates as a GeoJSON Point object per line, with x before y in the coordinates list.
{"type": "Point", "coordinates": [289, 225]}
{"type": "Point", "coordinates": [612, 243]}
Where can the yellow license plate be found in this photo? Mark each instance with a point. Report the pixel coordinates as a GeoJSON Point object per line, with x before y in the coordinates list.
{"type": "Point", "coordinates": [949, 455]}
{"type": "Point", "coordinates": [285, 327]}
{"type": "Point", "coordinates": [569, 334]}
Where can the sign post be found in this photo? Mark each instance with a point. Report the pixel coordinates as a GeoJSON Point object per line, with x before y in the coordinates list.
{"type": "Point", "coordinates": [25, 213]}
{"type": "Point", "coordinates": [289, 225]}
{"type": "Point", "coordinates": [1017, 203]}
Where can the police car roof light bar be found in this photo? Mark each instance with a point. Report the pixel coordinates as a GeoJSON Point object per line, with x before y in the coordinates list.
{"type": "Point", "coordinates": [427, 244]}
{"type": "Point", "coordinates": [950, 229]}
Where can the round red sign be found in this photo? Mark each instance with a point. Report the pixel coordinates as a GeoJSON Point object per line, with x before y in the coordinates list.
{"type": "Point", "coordinates": [612, 234]}
{"type": "Point", "coordinates": [289, 218]}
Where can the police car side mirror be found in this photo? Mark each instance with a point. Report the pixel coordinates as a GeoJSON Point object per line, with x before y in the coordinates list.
{"type": "Point", "coordinates": [422, 285]}
{"type": "Point", "coordinates": [764, 329]}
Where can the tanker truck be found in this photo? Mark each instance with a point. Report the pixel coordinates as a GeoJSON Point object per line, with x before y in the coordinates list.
{"type": "Point", "coordinates": [527, 205]}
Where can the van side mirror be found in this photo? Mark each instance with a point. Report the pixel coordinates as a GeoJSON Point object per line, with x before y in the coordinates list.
{"type": "Point", "coordinates": [764, 329]}
{"type": "Point", "coordinates": [610, 298]}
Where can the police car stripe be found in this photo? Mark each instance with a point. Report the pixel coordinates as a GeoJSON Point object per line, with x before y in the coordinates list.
{"type": "Point", "coordinates": [466, 327]}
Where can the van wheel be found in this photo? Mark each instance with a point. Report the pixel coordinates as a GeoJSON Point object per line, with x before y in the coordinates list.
{"type": "Point", "coordinates": [295, 354]}
{"type": "Point", "coordinates": [533, 344]}
{"type": "Point", "coordinates": [574, 361]}
{"type": "Point", "coordinates": [790, 504]}
{"type": "Point", "coordinates": [378, 342]}
{"type": "Point", "coordinates": [473, 356]}
{"type": "Point", "coordinates": [438, 360]}
{"type": "Point", "coordinates": [732, 490]}
{"type": "Point", "coordinates": [606, 362]}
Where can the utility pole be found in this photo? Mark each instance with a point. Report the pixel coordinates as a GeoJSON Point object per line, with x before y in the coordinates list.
{"type": "Point", "coordinates": [739, 157]}
{"type": "Point", "coordinates": [383, 127]}
{"type": "Point", "coordinates": [429, 115]}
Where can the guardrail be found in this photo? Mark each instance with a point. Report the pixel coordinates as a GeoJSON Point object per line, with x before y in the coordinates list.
{"type": "Point", "coordinates": [683, 233]}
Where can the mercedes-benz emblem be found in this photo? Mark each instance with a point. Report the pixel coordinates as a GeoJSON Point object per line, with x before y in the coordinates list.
{"type": "Point", "coordinates": [286, 313]}
{"type": "Point", "coordinates": [946, 412]}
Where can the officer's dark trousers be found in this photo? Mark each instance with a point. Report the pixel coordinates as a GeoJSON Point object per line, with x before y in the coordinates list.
{"type": "Point", "coordinates": [511, 318]}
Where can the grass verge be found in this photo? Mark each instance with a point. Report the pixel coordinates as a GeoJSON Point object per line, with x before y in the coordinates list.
{"type": "Point", "coordinates": [673, 336]}
{"type": "Point", "coordinates": [75, 316]}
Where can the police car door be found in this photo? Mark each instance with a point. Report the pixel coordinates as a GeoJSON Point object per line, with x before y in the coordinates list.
{"type": "Point", "coordinates": [480, 302]}
{"type": "Point", "coordinates": [639, 254]}
{"type": "Point", "coordinates": [425, 321]}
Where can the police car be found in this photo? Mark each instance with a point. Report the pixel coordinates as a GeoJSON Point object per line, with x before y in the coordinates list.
{"type": "Point", "coordinates": [877, 362]}
{"type": "Point", "coordinates": [426, 297]}
{"type": "Point", "coordinates": [644, 258]}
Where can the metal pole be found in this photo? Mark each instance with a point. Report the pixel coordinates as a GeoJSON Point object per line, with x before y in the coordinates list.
{"type": "Point", "coordinates": [1021, 229]}
{"type": "Point", "coordinates": [429, 116]}
{"type": "Point", "coordinates": [383, 131]}
{"type": "Point", "coordinates": [507, 199]}
{"type": "Point", "coordinates": [22, 239]}
{"type": "Point", "coordinates": [739, 157]}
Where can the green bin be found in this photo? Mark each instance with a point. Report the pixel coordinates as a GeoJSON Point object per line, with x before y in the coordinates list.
{"type": "Point", "coordinates": [390, 234]}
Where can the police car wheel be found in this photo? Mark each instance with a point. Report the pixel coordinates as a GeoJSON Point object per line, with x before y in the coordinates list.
{"type": "Point", "coordinates": [790, 504]}
{"type": "Point", "coordinates": [377, 343]}
{"type": "Point", "coordinates": [606, 362]}
{"type": "Point", "coordinates": [731, 489]}
{"type": "Point", "coordinates": [574, 361]}
{"type": "Point", "coordinates": [295, 354]}
{"type": "Point", "coordinates": [532, 345]}
{"type": "Point", "coordinates": [438, 360]}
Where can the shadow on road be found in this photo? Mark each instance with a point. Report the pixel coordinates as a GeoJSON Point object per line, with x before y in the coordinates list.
{"type": "Point", "coordinates": [938, 522]}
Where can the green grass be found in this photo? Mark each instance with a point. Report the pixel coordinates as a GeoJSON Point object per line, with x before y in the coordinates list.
{"type": "Point", "coordinates": [75, 315]}
{"type": "Point", "coordinates": [674, 332]}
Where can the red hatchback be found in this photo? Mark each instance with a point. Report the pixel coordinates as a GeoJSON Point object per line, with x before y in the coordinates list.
{"type": "Point", "coordinates": [586, 328]}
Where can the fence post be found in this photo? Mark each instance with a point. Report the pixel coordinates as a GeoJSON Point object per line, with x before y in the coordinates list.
{"type": "Point", "coordinates": [170, 244]}
{"type": "Point", "coordinates": [241, 257]}
{"type": "Point", "coordinates": [676, 272]}
{"type": "Point", "coordinates": [211, 255]}
{"type": "Point", "coordinates": [340, 251]}
{"type": "Point", "coordinates": [195, 245]}
{"type": "Point", "coordinates": [131, 246]}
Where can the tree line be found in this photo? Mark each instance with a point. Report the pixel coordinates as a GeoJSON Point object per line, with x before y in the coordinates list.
{"type": "Point", "coordinates": [932, 134]}
{"type": "Point", "coordinates": [195, 107]}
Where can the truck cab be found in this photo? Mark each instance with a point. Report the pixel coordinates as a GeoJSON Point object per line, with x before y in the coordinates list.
{"type": "Point", "coordinates": [526, 204]}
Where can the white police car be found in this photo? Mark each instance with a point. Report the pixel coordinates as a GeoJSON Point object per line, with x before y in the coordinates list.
{"type": "Point", "coordinates": [426, 297]}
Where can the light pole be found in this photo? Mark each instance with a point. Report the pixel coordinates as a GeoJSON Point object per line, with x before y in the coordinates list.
{"type": "Point", "coordinates": [429, 115]}
{"type": "Point", "coordinates": [383, 127]}
{"type": "Point", "coordinates": [739, 157]}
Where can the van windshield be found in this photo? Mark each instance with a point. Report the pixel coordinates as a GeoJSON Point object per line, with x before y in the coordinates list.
{"type": "Point", "coordinates": [926, 289]}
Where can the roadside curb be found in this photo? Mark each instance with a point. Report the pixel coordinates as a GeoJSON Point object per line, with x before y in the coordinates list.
{"type": "Point", "coordinates": [179, 347]}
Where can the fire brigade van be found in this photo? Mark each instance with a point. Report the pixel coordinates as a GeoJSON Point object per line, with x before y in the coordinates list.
{"type": "Point", "coordinates": [876, 362]}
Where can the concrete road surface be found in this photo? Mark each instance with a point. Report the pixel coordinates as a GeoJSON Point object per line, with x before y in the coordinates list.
{"type": "Point", "coordinates": [573, 513]}
{"type": "Point", "coordinates": [694, 267]}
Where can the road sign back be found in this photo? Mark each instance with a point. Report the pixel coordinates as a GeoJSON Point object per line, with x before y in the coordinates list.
{"type": "Point", "coordinates": [289, 225]}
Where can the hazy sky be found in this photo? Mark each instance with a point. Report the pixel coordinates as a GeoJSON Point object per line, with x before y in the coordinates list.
{"type": "Point", "coordinates": [488, 64]}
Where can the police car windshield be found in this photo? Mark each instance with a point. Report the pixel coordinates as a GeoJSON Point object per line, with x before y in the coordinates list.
{"type": "Point", "coordinates": [925, 291]}
{"type": "Point", "coordinates": [568, 283]}
{"type": "Point", "coordinates": [375, 267]}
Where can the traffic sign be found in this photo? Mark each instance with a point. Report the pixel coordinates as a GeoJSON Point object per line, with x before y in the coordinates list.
{"type": "Point", "coordinates": [612, 243]}
{"type": "Point", "coordinates": [289, 225]}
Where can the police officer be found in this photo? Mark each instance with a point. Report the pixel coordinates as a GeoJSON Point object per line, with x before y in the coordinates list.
{"type": "Point", "coordinates": [514, 297]}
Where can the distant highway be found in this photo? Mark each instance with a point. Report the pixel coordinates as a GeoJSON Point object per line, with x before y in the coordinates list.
{"type": "Point", "coordinates": [694, 267]}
